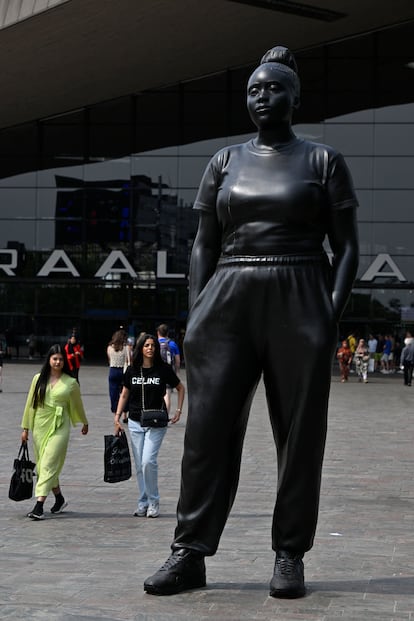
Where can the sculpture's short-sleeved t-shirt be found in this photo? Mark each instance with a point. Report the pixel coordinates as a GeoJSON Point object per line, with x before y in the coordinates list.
{"type": "Point", "coordinates": [275, 201]}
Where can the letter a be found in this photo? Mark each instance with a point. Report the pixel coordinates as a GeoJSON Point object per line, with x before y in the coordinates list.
{"type": "Point", "coordinates": [108, 266]}
{"type": "Point", "coordinates": [51, 265]}
{"type": "Point", "coordinates": [374, 270]}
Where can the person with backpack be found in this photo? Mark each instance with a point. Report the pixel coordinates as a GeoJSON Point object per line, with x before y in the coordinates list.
{"type": "Point", "coordinates": [170, 354]}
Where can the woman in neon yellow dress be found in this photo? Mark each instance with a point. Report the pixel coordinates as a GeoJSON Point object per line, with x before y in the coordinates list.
{"type": "Point", "coordinates": [53, 403]}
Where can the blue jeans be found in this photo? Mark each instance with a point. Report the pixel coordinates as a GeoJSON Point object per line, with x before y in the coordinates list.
{"type": "Point", "coordinates": [146, 443]}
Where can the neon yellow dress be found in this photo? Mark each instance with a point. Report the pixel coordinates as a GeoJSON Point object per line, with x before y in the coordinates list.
{"type": "Point", "coordinates": [50, 424]}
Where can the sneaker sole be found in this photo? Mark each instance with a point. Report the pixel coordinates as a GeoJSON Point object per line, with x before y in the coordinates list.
{"type": "Point", "coordinates": [173, 590]}
{"type": "Point", "coordinates": [36, 518]}
{"type": "Point", "coordinates": [287, 593]}
{"type": "Point", "coordinates": [65, 504]}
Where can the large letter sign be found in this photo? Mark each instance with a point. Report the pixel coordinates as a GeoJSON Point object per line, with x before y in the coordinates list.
{"type": "Point", "coordinates": [162, 266]}
{"type": "Point", "coordinates": [374, 270]}
{"type": "Point", "coordinates": [51, 265]}
{"type": "Point", "coordinates": [9, 267]}
{"type": "Point", "coordinates": [108, 266]}
{"type": "Point", "coordinates": [383, 266]}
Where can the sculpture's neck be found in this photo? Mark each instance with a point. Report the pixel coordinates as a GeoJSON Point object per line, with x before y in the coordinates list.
{"type": "Point", "coordinates": [277, 136]}
{"type": "Point", "coordinates": [274, 138]}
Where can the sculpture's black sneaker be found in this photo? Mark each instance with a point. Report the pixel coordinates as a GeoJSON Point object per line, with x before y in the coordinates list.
{"type": "Point", "coordinates": [288, 579]}
{"type": "Point", "coordinates": [183, 570]}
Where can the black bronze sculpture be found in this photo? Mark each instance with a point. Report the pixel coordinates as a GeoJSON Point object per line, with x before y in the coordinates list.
{"type": "Point", "coordinates": [263, 299]}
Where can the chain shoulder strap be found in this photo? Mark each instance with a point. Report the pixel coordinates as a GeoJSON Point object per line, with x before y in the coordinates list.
{"type": "Point", "coordinates": [142, 390]}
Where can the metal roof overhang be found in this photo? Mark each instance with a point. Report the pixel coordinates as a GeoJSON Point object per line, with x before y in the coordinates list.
{"type": "Point", "coordinates": [84, 51]}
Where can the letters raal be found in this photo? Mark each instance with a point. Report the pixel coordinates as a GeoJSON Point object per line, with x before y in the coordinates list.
{"type": "Point", "coordinates": [116, 263]}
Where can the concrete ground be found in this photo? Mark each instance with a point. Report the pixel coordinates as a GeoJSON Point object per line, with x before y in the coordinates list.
{"type": "Point", "coordinates": [90, 562]}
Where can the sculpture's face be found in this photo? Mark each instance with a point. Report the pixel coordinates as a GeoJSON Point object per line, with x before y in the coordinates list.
{"type": "Point", "coordinates": [270, 97]}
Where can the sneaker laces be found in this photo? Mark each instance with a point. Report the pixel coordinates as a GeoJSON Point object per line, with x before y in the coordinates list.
{"type": "Point", "coordinates": [287, 565]}
{"type": "Point", "coordinates": [171, 561]}
{"type": "Point", "coordinates": [178, 557]}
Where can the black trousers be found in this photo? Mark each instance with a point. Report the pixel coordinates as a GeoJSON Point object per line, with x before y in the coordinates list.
{"type": "Point", "coordinates": [408, 373]}
{"type": "Point", "coordinates": [270, 316]}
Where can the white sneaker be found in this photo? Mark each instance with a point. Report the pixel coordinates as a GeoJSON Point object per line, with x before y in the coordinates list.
{"type": "Point", "coordinates": [153, 510]}
{"type": "Point", "coordinates": [141, 510]}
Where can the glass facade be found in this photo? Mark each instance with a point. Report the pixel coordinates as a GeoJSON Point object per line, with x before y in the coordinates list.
{"type": "Point", "coordinates": [96, 219]}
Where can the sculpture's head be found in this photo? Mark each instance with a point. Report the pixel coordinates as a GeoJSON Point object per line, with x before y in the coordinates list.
{"type": "Point", "coordinates": [273, 89]}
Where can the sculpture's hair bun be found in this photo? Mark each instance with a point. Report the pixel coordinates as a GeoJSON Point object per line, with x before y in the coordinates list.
{"type": "Point", "coordinates": [282, 55]}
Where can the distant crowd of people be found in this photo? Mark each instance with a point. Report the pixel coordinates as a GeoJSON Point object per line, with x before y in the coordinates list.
{"type": "Point", "coordinates": [382, 353]}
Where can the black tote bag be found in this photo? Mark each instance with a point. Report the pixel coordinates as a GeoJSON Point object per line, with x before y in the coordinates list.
{"type": "Point", "coordinates": [21, 484]}
{"type": "Point", "coordinates": [117, 459]}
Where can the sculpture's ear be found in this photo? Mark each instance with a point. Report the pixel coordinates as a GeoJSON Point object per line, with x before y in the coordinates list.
{"type": "Point", "coordinates": [296, 102]}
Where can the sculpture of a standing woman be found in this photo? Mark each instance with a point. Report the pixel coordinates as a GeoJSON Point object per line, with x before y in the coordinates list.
{"type": "Point", "coordinates": [264, 300]}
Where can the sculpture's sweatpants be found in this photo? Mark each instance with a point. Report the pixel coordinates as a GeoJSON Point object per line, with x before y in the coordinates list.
{"type": "Point", "coordinates": [270, 315]}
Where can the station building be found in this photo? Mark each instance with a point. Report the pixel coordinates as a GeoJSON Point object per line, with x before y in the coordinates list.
{"type": "Point", "coordinates": [110, 112]}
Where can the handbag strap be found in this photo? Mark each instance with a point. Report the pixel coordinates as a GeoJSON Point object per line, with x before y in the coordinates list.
{"type": "Point", "coordinates": [23, 451]}
{"type": "Point", "coordinates": [142, 390]}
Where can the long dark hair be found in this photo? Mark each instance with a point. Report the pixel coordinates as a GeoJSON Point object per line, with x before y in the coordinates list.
{"type": "Point", "coordinates": [41, 384]}
{"type": "Point", "coordinates": [137, 357]}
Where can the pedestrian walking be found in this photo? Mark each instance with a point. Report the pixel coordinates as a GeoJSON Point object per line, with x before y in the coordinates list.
{"type": "Point", "coordinates": [53, 404]}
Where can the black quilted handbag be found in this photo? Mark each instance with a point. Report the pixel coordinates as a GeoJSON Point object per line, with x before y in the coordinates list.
{"type": "Point", "coordinates": [152, 418]}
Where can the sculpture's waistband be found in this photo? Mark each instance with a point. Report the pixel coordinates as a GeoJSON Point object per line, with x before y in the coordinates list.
{"type": "Point", "coordinates": [282, 259]}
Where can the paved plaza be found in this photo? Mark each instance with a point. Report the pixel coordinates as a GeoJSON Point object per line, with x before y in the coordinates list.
{"type": "Point", "coordinates": [90, 562]}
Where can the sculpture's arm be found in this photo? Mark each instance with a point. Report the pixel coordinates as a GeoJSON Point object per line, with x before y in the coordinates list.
{"type": "Point", "coordinates": [205, 254]}
{"type": "Point", "coordinates": [343, 238]}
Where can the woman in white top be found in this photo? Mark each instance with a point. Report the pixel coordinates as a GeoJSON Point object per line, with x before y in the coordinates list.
{"type": "Point", "coordinates": [119, 358]}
